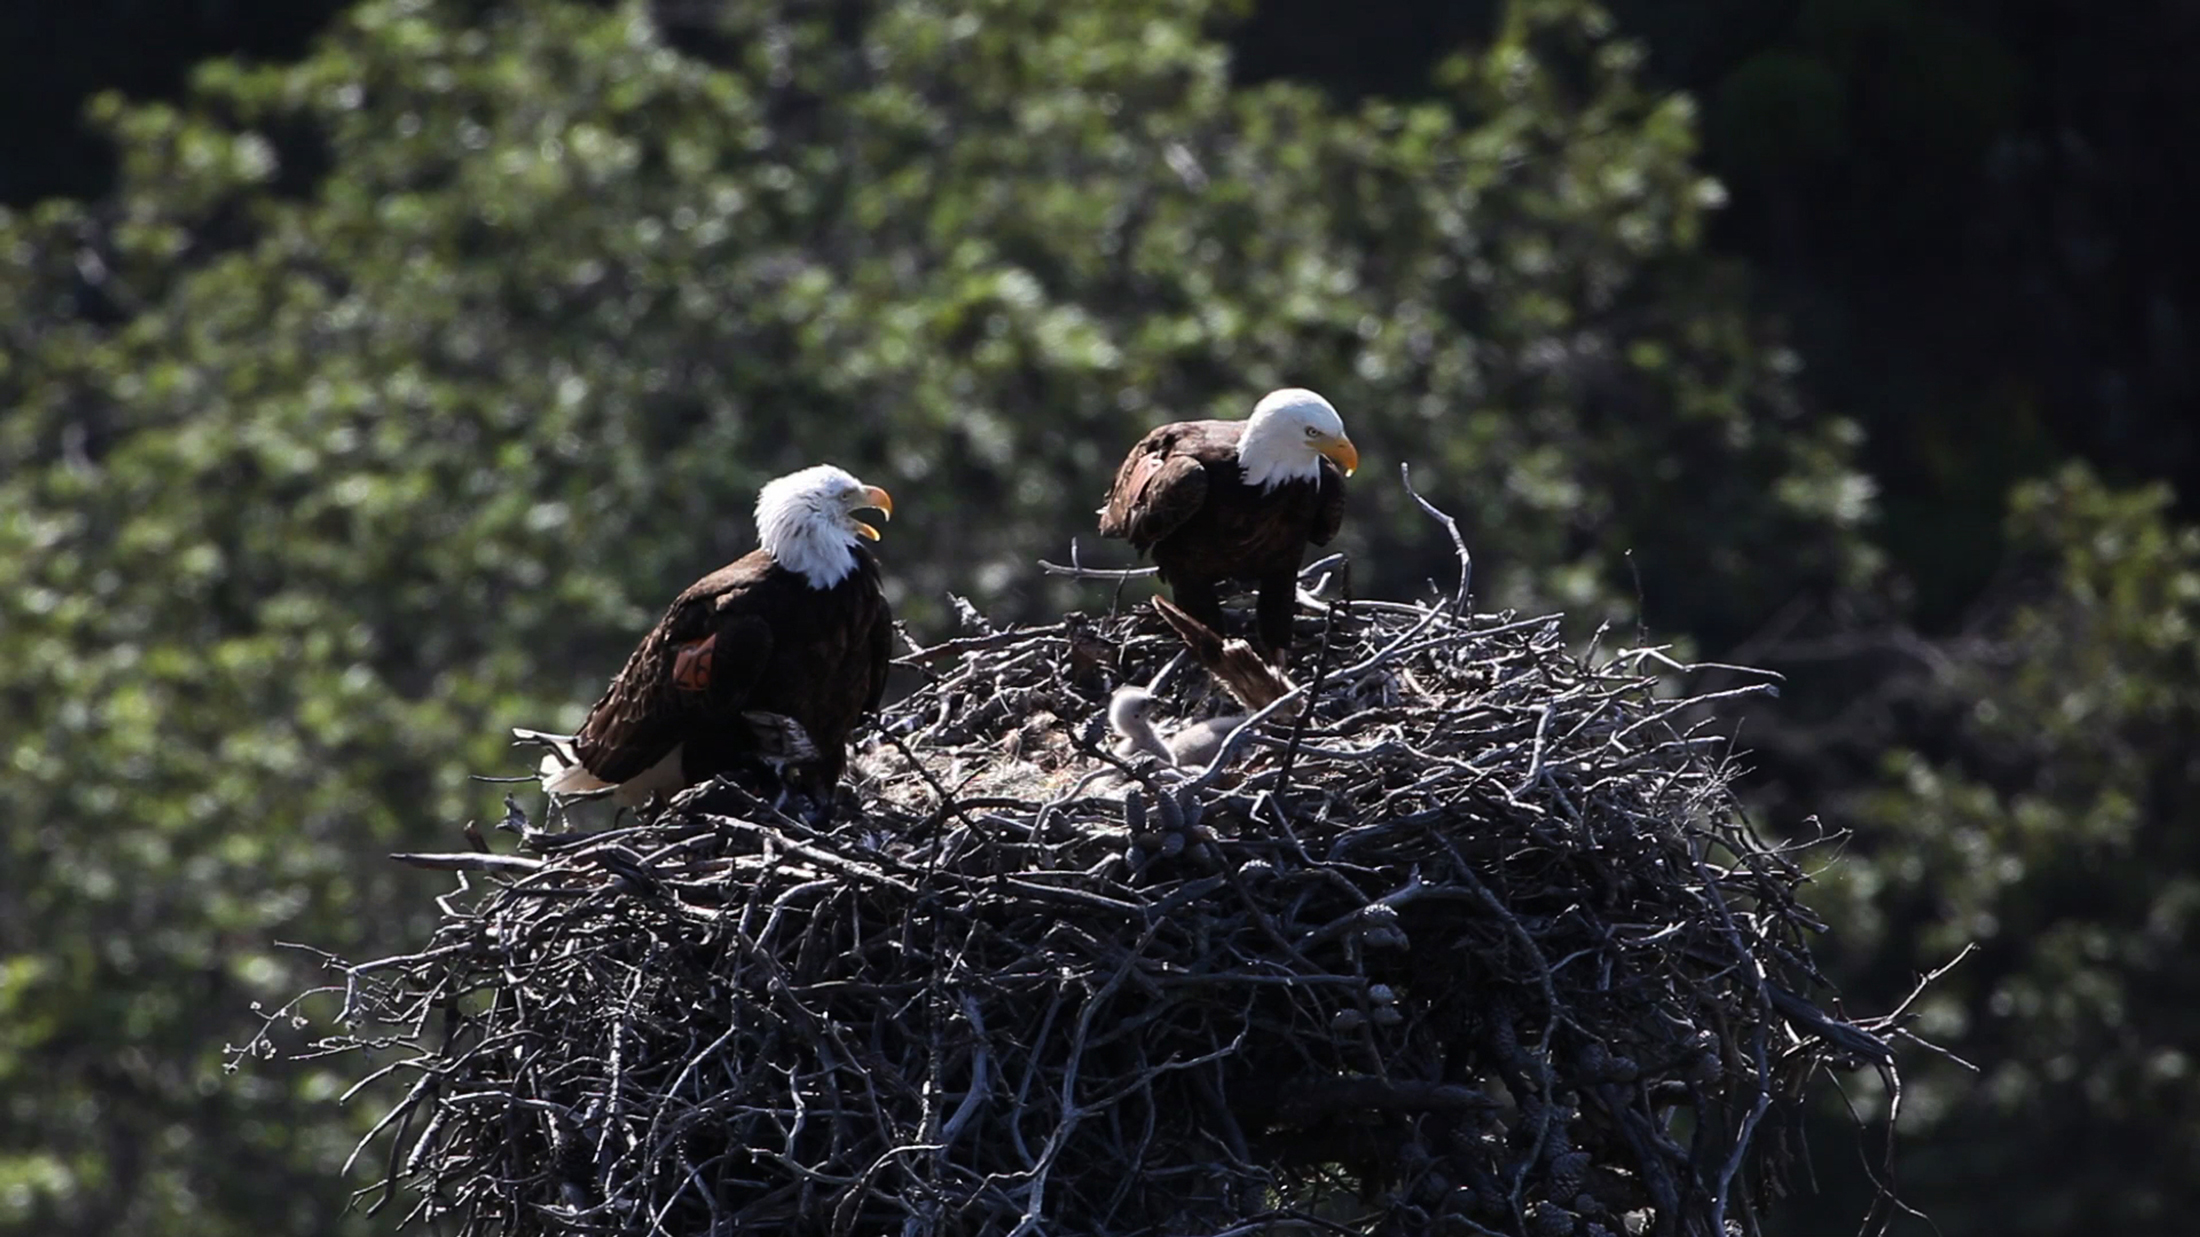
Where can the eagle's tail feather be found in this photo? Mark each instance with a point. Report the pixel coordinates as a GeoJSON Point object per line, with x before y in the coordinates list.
{"type": "Point", "coordinates": [570, 780]}
{"type": "Point", "coordinates": [561, 770]}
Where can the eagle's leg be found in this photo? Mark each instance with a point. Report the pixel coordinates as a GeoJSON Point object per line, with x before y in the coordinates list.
{"type": "Point", "coordinates": [1201, 600]}
{"type": "Point", "coordinates": [1279, 602]}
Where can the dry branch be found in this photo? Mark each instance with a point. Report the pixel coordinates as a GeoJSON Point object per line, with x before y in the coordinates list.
{"type": "Point", "coordinates": [1505, 959]}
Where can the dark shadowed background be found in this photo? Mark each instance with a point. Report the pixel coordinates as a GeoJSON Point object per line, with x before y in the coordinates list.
{"type": "Point", "coordinates": [370, 372]}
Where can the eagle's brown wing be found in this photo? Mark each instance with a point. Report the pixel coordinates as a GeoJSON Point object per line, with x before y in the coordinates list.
{"type": "Point", "coordinates": [702, 658]}
{"type": "Point", "coordinates": [1160, 486]}
{"type": "Point", "coordinates": [1328, 505]}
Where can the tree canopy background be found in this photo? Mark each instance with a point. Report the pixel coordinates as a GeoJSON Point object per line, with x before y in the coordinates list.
{"type": "Point", "coordinates": [392, 374]}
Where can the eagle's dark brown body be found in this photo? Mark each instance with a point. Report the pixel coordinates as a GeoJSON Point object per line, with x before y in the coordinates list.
{"type": "Point", "coordinates": [751, 636]}
{"type": "Point", "coordinates": [1181, 497]}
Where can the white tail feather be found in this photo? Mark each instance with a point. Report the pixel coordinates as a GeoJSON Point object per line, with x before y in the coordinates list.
{"type": "Point", "coordinates": [561, 770]}
{"type": "Point", "coordinates": [562, 773]}
{"type": "Point", "coordinates": [562, 742]}
{"type": "Point", "coordinates": [568, 779]}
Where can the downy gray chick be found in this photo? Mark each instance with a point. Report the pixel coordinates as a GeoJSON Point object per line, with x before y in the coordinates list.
{"type": "Point", "coordinates": [1130, 715]}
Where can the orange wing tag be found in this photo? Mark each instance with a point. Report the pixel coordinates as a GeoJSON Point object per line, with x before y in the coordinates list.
{"type": "Point", "coordinates": [691, 665]}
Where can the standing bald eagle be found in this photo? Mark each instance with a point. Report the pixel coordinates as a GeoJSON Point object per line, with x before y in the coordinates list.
{"type": "Point", "coordinates": [1220, 500]}
{"type": "Point", "coordinates": [798, 629]}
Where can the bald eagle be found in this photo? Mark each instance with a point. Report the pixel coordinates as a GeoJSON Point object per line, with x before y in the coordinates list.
{"type": "Point", "coordinates": [1221, 500]}
{"type": "Point", "coordinates": [771, 657]}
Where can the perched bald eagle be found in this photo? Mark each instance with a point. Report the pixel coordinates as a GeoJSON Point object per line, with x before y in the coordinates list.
{"type": "Point", "coordinates": [797, 631]}
{"type": "Point", "coordinates": [1222, 500]}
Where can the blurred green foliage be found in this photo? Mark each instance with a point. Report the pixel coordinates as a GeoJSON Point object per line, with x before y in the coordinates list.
{"type": "Point", "coordinates": [1976, 217]}
{"type": "Point", "coordinates": [391, 392]}
{"type": "Point", "coordinates": [2051, 823]}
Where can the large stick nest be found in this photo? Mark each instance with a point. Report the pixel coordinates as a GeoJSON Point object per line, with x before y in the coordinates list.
{"type": "Point", "coordinates": [1478, 942]}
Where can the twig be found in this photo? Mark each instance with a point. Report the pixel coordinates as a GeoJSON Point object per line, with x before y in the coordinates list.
{"type": "Point", "coordinates": [1305, 718]}
{"type": "Point", "coordinates": [469, 861]}
{"type": "Point", "coordinates": [1097, 573]}
{"type": "Point", "coordinates": [1458, 543]}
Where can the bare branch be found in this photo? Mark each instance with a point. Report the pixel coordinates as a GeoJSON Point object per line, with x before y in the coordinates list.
{"type": "Point", "coordinates": [967, 997]}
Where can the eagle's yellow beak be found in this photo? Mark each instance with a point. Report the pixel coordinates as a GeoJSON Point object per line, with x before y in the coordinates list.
{"type": "Point", "coordinates": [875, 499]}
{"type": "Point", "coordinates": [1343, 452]}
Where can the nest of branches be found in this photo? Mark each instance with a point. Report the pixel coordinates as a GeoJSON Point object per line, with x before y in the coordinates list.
{"type": "Point", "coordinates": [1467, 935]}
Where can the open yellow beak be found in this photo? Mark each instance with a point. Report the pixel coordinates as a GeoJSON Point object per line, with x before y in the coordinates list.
{"type": "Point", "coordinates": [877, 500]}
{"type": "Point", "coordinates": [1342, 451]}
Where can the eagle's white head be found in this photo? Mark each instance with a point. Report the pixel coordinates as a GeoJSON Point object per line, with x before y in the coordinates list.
{"type": "Point", "coordinates": [807, 523]}
{"type": "Point", "coordinates": [1289, 433]}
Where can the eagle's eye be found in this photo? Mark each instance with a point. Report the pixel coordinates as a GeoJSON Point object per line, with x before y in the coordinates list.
{"type": "Point", "coordinates": [1312, 432]}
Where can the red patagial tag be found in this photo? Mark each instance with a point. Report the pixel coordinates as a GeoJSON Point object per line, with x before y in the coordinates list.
{"type": "Point", "coordinates": [691, 665]}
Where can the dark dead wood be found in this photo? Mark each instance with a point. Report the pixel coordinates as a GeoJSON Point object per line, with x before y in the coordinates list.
{"type": "Point", "coordinates": [1486, 943]}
